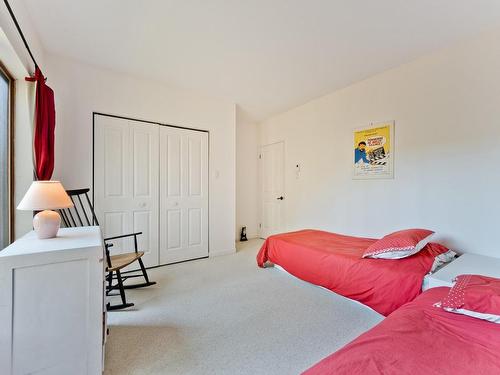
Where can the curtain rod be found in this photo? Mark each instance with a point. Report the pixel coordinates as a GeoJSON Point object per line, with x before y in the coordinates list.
{"type": "Point", "coordinates": [20, 32]}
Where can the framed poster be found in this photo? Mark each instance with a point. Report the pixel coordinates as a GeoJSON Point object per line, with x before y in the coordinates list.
{"type": "Point", "coordinates": [374, 151]}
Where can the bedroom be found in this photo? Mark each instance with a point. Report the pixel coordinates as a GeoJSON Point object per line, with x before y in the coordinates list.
{"type": "Point", "coordinates": [278, 89]}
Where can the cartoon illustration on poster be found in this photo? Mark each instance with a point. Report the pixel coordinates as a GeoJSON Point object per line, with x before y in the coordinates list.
{"type": "Point", "coordinates": [373, 151]}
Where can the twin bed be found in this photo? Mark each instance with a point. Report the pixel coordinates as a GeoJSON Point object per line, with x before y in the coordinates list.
{"type": "Point", "coordinates": [335, 262]}
{"type": "Point", "coordinates": [416, 337]}
{"type": "Point", "coordinates": [420, 338]}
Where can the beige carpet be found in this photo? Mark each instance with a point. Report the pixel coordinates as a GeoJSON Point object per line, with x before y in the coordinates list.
{"type": "Point", "coordinates": [225, 315]}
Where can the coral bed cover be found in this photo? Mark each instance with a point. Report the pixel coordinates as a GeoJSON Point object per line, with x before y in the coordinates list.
{"type": "Point", "coordinates": [420, 339]}
{"type": "Point", "coordinates": [334, 261]}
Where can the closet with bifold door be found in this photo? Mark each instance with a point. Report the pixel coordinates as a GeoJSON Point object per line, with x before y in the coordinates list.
{"type": "Point", "coordinates": [152, 178]}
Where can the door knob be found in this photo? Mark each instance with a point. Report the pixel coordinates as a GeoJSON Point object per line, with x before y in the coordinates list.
{"type": "Point", "coordinates": [142, 205]}
{"type": "Point", "coordinates": [280, 198]}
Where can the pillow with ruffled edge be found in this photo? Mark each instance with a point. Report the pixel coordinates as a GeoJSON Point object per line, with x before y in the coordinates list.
{"type": "Point", "coordinates": [476, 296]}
{"type": "Point", "coordinates": [400, 244]}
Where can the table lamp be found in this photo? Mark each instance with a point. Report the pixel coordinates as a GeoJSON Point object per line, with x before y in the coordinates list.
{"type": "Point", "coordinates": [45, 196]}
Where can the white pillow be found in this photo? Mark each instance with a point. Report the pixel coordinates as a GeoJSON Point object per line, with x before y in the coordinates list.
{"type": "Point", "coordinates": [441, 259]}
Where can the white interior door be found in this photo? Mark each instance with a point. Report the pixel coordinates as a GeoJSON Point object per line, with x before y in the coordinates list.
{"type": "Point", "coordinates": [183, 194]}
{"type": "Point", "coordinates": [273, 191]}
{"type": "Point", "coordinates": [126, 183]}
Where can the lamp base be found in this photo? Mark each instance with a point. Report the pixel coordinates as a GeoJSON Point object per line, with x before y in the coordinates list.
{"type": "Point", "coordinates": [46, 224]}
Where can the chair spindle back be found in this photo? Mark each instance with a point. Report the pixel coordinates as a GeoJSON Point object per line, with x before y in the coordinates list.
{"type": "Point", "coordinates": [82, 214]}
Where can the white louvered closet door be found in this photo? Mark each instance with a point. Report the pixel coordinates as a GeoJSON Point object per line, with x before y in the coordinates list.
{"type": "Point", "coordinates": [126, 182]}
{"type": "Point", "coordinates": [183, 194]}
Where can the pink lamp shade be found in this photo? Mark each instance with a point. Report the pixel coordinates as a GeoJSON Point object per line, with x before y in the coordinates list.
{"type": "Point", "coordinates": [45, 196]}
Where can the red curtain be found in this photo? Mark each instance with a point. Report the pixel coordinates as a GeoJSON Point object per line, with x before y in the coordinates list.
{"type": "Point", "coordinates": [45, 123]}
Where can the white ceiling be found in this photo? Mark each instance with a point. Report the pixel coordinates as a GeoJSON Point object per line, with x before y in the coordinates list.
{"type": "Point", "coordinates": [265, 55]}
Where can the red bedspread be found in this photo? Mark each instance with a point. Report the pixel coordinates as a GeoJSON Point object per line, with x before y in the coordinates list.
{"type": "Point", "coordinates": [334, 262]}
{"type": "Point", "coordinates": [420, 339]}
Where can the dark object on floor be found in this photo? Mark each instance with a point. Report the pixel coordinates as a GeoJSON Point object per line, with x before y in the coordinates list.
{"type": "Point", "coordinates": [83, 214]}
{"type": "Point", "coordinates": [243, 235]}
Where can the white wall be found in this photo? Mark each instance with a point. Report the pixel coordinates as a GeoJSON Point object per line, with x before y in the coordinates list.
{"type": "Point", "coordinates": [81, 89]}
{"type": "Point", "coordinates": [447, 151]}
{"type": "Point", "coordinates": [247, 175]}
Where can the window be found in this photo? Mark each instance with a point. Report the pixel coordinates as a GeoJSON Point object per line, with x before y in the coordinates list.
{"type": "Point", "coordinates": [6, 180]}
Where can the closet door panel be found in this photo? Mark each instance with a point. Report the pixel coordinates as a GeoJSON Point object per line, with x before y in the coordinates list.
{"type": "Point", "coordinates": [183, 194]}
{"type": "Point", "coordinates": [194, 166]}
{"type": "Point", "coordinates": [111, 185]}
{"type": "Point", "coordinates": [196, 199]}
{"type": "Point", "coordinates": [126, 183]}
{"type": "Point", "coordinates": [142, 222]}
{"type": "Point", "coordinates": [171, 164]}
{"type": "Point", "coordinates": [173, 233]}
{"type": "Point", "coordinates": [170, 193]}
{"type": "Point", "coordinates": [143, 163]}
{"type": "Point", "coordinates": [115, 143]}
{"type": "Point", "coordinates": [144, 166]}
{"type": "Point", "coordinates": [194, 227]}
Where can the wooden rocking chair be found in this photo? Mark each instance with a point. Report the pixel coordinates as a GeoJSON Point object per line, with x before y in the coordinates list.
{"type": "Point", "coordinates": [83, 214]}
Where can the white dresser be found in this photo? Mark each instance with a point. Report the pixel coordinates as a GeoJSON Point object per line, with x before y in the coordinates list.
{"type": "Point", "coordinates": [52, 313]}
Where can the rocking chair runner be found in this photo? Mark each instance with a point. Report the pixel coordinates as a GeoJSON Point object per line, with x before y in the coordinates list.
{"type": "Point", "coordinates": [79, 216]}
